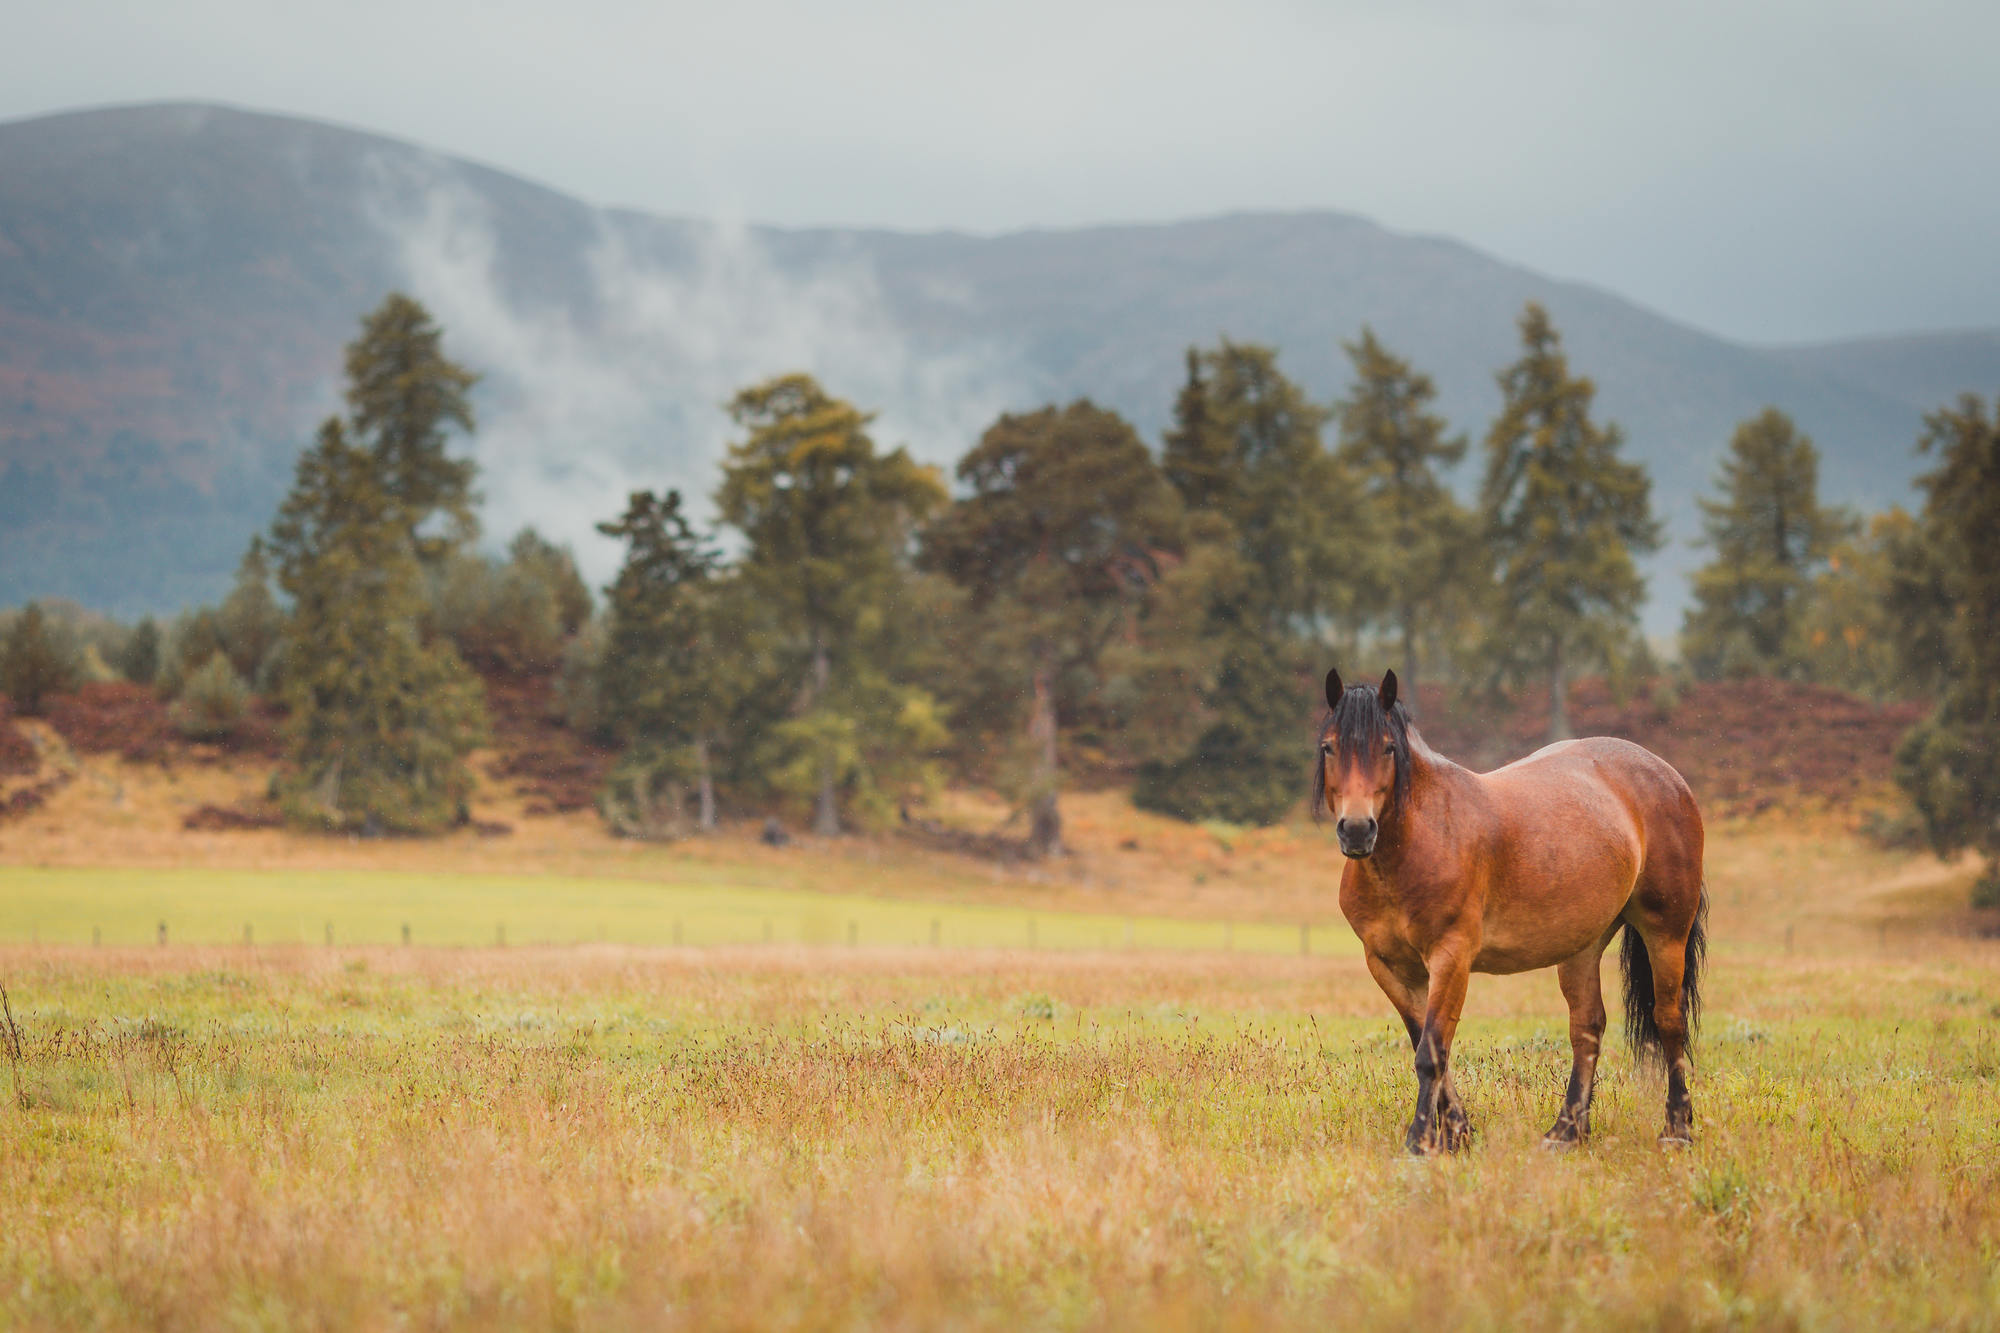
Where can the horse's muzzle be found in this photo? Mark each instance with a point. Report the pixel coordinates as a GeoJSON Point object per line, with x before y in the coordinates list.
{"type": "Point", "coordinates": [1357, 837]}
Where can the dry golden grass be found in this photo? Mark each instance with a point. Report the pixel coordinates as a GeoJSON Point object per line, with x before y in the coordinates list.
{"type": "Point", "coordinates": [603, 1138]}
{"type": "Point", "coordinates": [786, 1137]}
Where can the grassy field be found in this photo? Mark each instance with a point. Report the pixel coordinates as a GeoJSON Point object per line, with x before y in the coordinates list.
{"type": "Point", "coordinates": [702, 905]}
{"type": "Point", "coordinates": [600, 1137]}
{"type": "Point", "coordinates": [1111, 1094]}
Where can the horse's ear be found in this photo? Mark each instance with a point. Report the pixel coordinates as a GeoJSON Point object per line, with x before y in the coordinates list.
{"type": "Point", "coordinates": [1333, 687]}
{"type": "Point", "coordinates": [1388, 690]}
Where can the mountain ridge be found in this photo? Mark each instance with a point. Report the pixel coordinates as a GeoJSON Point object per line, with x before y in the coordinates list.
{"type": "Point", "coordinates": [176, 281]}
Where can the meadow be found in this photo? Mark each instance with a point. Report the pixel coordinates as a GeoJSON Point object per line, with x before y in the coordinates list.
{"type": "Point", "coordinates": [1146, 1110]}
{"type": "Point", "coordinates": [599, 1136]}
{"type": "Point", "coordinates": [699, 907]}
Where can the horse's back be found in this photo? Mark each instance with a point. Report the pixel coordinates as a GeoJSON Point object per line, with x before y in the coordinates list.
{"type": "Point", "coordinates": [1579, 827]}
{"type": "Point", "coordinates": [1588, 770]}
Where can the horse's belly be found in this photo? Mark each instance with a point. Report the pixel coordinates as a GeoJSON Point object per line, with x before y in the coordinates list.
{"type": "Point", "coordinates": [1559, 884]}
{"type": "Point", "coordinates": [1521, 941]}
{"type": "Point", "coordinates": [1505, 956]}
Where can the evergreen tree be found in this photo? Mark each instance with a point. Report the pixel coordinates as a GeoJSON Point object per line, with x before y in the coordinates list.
{"type": "Point", "coordinates": [555, 567]}
{"type": "Point", "coordinates": [403, 393]}
{"type": "Point", "coordinates": [663, 682]}
{"type": "Point", "coordinates": [1245, 446]}
{"type": "Point", "coordinates": [827, 524]}
{"type": "Point", "coordinates": [1771, 537]}
{"type": "Point", "coordinates": [1564, 514]}
{"type": "Point", "coordinates": [196, 636]}
{"type": "Point", "coordinates": [1246, 456]}
{"type": "Point", "coordinates": [139, 658]}
{"type": "Point", "coordinates": [249, 623]}
{"type": "Point", "coordinates": [37, 660]}
{"type": "Point", "coordinates": [1241, 764]}
{"type": "Point", "coordinates": [1392, 441]}
{"type": "Point", "coordinates": [1055, 543]}
{"type": "Point", "coordinates": [1874, 613]}
{"type": "Point", "coordinates": [1199, 456]}
{"type": "Point", "coordinates": [510, 616]}
{"type": "Point", "coordinates": [380, 720]}
{"type": "Point", "coordinates": [212, 705]}
{"type": "Point", "coordinates": [1950, 764]}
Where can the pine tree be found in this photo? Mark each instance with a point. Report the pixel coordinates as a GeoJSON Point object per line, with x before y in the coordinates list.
{"type": "Point", "coordinates": [195, 637]}
{"type": "Point", "coordinates": [1771, 537]}
{"type": "Point", "coordinates": [1055, 543]}
{"type": "Point", "coordinates": [1873, 620]}
{"type": "Point", "coordinates": [1246, 456]}
{"type": "Point", "coordinates": [37, 660]}
{"type": "Point", "coordinates": [212, 705]}
{"type": "Point", "coordinates": [249, 623]}
{"type": "Point", "coordinates": [1950, 764]}
{"type": "Point", "coordinates": [381, 712]}
{"type": "Point", "coordinates": [380, 720]}
{"type": "Point", "coordinates": [827, 524]}
{"type": "Point", "coordinates": [1564, 514]}
{"type": "Point", "coordinates": [1198, 457]}
{"type": "Point", "coordinates": [554, 566]}
{"type": "Point", "coordinates": [139, 658]}
{"type": "Point", "coordinates": [1240, 764]}
{"type": "Point", "coordinates": [664, 680]}
{"type": "Point", "coordinates": [1427, 542]}
{"type": "Point", "coordinates": [403, 393]}
{"type": "Point", "coordinates": [1246, 446]}
{"type": "Point", "coordinates": [510, 616]}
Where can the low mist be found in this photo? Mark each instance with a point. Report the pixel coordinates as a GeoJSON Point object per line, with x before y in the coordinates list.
{"type": "Point", "coordinates": [579, 407]}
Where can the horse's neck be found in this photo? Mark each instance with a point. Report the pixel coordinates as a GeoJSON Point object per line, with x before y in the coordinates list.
{"type": "Point", "coordinates": [1423, 816]}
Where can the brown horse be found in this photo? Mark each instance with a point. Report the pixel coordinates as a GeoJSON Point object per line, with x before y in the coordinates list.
{"type": "Point", "coordinates": [1537, 864]}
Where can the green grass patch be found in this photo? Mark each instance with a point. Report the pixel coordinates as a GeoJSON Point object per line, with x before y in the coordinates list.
{"type": "Point", "coordinates": [60, 905]}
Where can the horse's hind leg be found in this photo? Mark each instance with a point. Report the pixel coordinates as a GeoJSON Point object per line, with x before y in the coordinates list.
{"type": "Point", "coordinates": [1668, 954]}
{"type": "Point", "coordinates": [1583, 987]}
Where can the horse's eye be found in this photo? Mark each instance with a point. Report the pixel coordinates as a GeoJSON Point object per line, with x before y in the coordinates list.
{"type": "Point", "coordinates": [1326, 747]}
{"type": "Point", "coordinates": [1390, 748]}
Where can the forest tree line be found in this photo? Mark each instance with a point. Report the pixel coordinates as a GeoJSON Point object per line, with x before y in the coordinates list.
{"type": "Point", "coordinates": [1065, 596]}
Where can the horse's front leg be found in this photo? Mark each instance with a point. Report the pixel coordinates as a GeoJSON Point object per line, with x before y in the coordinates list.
{"type": "Point", "coordinates": [1409, 990]}
{"type": "Point", "coordinates": [1440, 1123]}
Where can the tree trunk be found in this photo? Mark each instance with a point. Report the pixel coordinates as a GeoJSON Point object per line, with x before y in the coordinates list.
{"type": "Point", "coordinates": [826, 811]}
{"type": "Point", "coordinates": [1558, 694]}
{"type": "Point", "coordinates": [1045, 831]}
{"type": "Point", "coordinates": [706, 818]}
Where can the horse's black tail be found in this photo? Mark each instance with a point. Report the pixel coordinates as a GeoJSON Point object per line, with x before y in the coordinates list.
{"type": "Point", "coordinates": [1640, 1026]}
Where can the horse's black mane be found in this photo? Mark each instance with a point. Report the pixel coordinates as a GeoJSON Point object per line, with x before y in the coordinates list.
{"type": "Point", "coordinates": [1362, 726]}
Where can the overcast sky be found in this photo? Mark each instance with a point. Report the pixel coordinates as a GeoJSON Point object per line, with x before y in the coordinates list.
{"type": "Point", "coordinates": [1770, 171]}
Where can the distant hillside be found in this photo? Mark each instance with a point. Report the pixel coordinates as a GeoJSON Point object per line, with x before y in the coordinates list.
{"type": "Point", "coordinates": [176, 283]}
{"type": "Point", "coordinates": [1923, 370]}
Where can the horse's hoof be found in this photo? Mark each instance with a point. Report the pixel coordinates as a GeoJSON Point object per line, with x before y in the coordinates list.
{"type": "Point", "coordinates": [1567, 1132]}
{"type": "Point", "coordinates": [1671, 1140]}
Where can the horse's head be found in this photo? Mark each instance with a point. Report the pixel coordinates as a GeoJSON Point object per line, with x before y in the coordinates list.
{"type": "Point", "coordinates": [1364, 761]}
